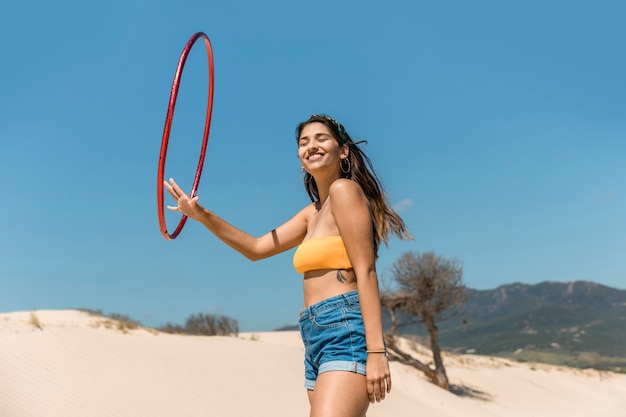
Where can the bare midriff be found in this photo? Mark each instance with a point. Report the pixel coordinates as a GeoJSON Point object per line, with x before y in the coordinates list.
{"type": "Point", "coordinates": [326, 283]}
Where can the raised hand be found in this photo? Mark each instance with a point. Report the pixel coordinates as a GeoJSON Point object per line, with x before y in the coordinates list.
{"type": "Point", "coordinates": [186, 205]}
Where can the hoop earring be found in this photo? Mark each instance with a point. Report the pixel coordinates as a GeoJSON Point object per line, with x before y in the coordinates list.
{"type": "Point", "coordinates": [346, 170]}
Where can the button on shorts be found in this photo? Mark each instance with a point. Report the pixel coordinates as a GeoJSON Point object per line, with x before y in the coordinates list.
{"type": "Point", "coordinates": [334, 337]}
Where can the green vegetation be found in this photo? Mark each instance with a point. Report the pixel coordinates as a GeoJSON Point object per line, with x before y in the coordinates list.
{"type": "Point", "coordinates": [581, 360]}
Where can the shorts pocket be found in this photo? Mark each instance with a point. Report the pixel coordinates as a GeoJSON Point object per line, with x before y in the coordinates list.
{"type": "Point", "coordinates": [333, 317]}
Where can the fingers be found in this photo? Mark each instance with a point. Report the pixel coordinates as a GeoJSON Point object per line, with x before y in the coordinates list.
{"type": "Point", "coordinates": [378, 377]}
{"type": "Point", "coordinates": [373, 391]}
{"type": "Point", "coordinates": [185, 204]}
{"type": "Point", "coordinates": [376, 390]}
{"type": "Point", "coordinates": [173, 188]}
{"type": "Point", "coordinates": [169, 186]}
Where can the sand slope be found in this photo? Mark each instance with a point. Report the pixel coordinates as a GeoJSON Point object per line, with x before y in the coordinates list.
{"type": "Point", "coordinates": [68, 363]}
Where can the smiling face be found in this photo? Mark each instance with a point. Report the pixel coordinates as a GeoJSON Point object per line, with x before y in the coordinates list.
{"type": "Point", "coordinates": [319, 151]}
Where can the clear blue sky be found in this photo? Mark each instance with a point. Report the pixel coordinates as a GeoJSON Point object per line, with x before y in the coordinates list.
{"type": "Point", "coordinates": [497, 128]}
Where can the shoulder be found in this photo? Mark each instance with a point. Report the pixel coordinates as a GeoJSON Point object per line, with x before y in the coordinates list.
{"type": "Point", "coordinates": [307, 211]}
{"type": "Point", "coordinates": [344, 186]}
{"type": "Point", "coordinates": [344, 190]}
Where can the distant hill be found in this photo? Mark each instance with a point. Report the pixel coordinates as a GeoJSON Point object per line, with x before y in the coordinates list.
{"type": "Point", "coordinates": [576, 323]}
{"type": "Point", "coordinates": [576, 316]}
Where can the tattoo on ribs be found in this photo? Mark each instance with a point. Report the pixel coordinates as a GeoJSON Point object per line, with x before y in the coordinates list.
{"type": "Point", "coordinates": [340, 276]}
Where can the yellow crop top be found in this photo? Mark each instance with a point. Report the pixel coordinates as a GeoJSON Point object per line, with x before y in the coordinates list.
{"type": "Point", "coordinates": [326, 252]}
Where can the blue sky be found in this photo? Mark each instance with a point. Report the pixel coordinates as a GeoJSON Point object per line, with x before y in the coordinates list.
{"type": "Point", "coordinates": [497, 128]}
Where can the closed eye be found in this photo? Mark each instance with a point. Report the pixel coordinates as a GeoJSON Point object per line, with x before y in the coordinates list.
{"type": "Point", "coordinates": [319, 137]}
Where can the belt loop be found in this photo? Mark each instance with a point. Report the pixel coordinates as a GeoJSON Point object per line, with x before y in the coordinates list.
{"type": "Point", "coordinates": [347, 298]}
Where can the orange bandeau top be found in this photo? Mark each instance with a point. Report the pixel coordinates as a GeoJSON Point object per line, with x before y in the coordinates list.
{"type": "Point", "coordinates": [326, 252]}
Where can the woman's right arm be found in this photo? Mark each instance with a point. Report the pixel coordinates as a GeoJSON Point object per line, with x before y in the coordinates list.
{"type": "Point", "coordinates": [283, 238]}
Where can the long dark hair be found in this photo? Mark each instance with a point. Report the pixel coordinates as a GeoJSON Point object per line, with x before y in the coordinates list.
{"type": "Point", "coordinates": [385, 221]}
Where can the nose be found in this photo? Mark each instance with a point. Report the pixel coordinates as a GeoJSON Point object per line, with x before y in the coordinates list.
{"type": "Point", "coordinates": [311, 147]}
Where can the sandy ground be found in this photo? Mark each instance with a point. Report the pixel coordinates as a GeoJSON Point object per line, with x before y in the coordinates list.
{"type": "Point", "coordinates": [69, 363]}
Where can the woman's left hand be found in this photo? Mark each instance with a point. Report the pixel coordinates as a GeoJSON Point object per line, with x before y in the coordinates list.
{"type": "Point", "coordinates": [184, 204]}
{"type": "Point", "coordinates": [378, 377]}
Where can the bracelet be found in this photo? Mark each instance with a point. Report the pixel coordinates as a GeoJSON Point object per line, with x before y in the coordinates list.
{"type": "Point", "coordinates": [377, 351]}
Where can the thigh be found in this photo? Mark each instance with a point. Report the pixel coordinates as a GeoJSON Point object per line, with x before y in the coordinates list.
{"type": "Point", "coordinates": [339, 394]}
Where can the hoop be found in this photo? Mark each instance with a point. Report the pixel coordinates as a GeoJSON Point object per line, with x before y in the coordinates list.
{"type": "Point", "coordinates": [168, 126]}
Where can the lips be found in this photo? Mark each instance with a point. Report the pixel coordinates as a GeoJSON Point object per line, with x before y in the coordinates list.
{"type": "Point", "coordinates": [314, 157]}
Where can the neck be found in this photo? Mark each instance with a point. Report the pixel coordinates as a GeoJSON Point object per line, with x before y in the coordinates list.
{"type": "Point", "coordinates": [323, 186]}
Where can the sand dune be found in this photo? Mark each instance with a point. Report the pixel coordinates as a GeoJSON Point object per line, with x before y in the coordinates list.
{"type": "Point", "coordinates": [69, 363]}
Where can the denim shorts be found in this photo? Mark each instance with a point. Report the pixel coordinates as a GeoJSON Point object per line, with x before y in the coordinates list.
{"type": "Point", "coordinates": [334, 337]}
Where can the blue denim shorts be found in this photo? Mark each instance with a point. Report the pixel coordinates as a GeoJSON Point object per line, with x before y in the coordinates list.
{"type": "Point", "coordinates": [334, 337]}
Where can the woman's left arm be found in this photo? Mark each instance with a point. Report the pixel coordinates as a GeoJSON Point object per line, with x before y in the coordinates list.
{"type": "Point", "coordinates": [352, 214]}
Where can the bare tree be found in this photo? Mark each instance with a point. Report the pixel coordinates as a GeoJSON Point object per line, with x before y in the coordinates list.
{"type": "Point", "coordinates": [426, 289]}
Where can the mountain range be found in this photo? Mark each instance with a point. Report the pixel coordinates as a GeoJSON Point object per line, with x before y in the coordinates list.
{"type": "Point", "coordinates": [577, 323]}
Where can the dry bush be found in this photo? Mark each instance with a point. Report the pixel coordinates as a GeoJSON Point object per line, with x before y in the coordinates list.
{"type": "Point", "coordinates": [124, 323]}
{"type": "Point", "coordinates": [121, 322]}
{"type": "Point", "coordinates": [34, 321]}
{"type": "Point", "coordinates": [204, 325]}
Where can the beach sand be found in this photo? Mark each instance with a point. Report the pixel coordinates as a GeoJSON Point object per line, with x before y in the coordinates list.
{"type": "Point", "coordinates": [70, 363]}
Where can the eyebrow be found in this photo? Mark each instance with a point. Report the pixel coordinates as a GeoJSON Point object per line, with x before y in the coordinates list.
{"type": "Point", "coordinates": [316, 135]}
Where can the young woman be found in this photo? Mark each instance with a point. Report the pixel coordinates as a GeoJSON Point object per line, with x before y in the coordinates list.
{"type": "Point", "coordinates": [337, 236]}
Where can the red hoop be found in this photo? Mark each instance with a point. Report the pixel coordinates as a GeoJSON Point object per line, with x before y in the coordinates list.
{"type": "Point", "coordinates": [168, 126]}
